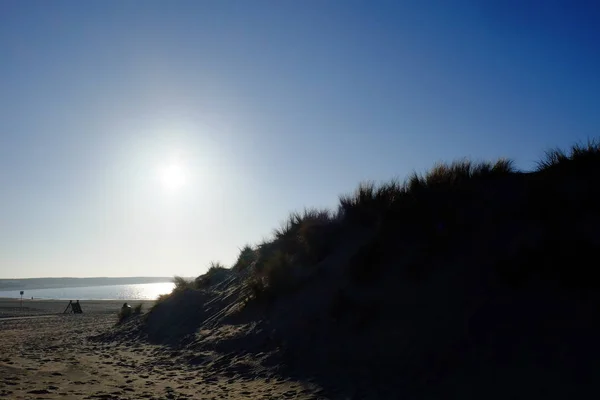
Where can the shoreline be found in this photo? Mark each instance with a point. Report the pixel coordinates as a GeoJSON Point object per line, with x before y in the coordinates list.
{"type": "Point", "coordinates": [18, 299]}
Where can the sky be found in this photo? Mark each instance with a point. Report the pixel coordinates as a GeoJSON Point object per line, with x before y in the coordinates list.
{"type": "Point", "coordinates": [148, 138]}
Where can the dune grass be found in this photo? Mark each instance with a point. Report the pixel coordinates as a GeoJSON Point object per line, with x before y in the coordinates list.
{"type": "Point", "coordinates": [182, 283]}
{"type": "Point", "coordinates": [430, 209]}
{"type": "Point", "coordinates": [247, 256]}
{"type": "Point", "coordinates": [584, 156]}
{"type": "Point", "coordinates": [216, 272]}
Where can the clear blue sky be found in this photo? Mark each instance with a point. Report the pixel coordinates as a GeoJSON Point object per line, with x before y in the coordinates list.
{"type": "Point", "coordinates": [258, 108]}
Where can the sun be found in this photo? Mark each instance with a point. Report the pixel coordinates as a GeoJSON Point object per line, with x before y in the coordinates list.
{"type": "Point", "coordinates": [172, 177]}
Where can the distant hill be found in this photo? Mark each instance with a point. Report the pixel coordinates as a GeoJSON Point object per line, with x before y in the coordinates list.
{"type": "Point", "coordinates": [46, 283]}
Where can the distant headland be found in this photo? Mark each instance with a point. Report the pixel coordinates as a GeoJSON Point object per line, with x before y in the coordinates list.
{"type": "Point", "coordinates": [47, 283]}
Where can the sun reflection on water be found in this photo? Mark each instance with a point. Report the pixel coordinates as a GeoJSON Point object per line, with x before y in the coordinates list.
{"type": "Point", "coordinates": [145, 291]}
{"type": "Point", "coordinates": [148, 291]}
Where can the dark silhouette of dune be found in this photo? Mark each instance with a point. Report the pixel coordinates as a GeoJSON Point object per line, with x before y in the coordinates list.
{"type": "Point", "coordinates": [473, 281]}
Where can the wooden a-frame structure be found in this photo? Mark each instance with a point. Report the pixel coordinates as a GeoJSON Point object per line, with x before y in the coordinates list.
{"type": "Point", "coordinates": [75, 308]}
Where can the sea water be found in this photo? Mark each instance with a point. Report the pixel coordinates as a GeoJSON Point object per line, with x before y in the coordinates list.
{"type": "Point", "coordinates": [145, 291]}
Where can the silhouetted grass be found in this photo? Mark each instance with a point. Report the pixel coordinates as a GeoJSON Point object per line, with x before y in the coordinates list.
{"type": "Point", "coordinates": [432, 212]}
{"type": "Point", "coordinates": [370, 203]}
{"type": "Point", "coordinates": [366, 205]}
{"type": "Point", "coordinates": [182, 283]}
{"type": "Point", "coordinates": [216, 272]}
{"type": "Point", "coordinates": [303, 239]}
{"type": "Point", "coordinates": [458, 173]}
{"type": "Point", "coordinates": [245, 259]}
{"type": "Point", "coordinates": [585, 157]}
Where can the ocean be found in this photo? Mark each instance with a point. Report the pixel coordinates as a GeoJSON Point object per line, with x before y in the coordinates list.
{"type": "Point", "coordinates": [145, 291]}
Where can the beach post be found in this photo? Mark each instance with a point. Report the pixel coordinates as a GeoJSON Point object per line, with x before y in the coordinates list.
{"type": "Point", "coordinates": [22, 293]}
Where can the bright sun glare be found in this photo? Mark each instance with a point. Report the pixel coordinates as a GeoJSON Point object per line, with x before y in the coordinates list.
{"type": "Point", "coordinates": [172, 177]}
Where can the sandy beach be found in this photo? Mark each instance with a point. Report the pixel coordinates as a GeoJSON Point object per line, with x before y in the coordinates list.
{"type": "Point", "coordinates": [13, 307]}
{"type": "Point", "coordinates": [45, 354]}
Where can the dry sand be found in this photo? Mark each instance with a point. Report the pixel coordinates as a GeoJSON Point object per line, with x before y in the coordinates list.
{"type": "Point", "coordinates": [45, 354]}
{"type": "Point", "coordinates": [14, 308]}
